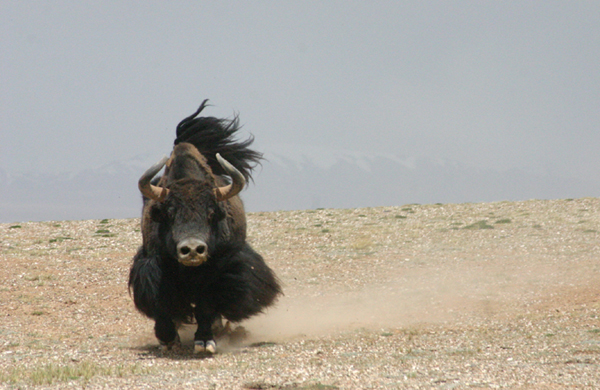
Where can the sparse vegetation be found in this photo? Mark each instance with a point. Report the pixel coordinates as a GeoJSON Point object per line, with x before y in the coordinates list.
{"type": "Point", "coordinates": [263, 386]}
{"type": "Point", "coordinates": [362, 243]}
{"type": "Point", "coordinates": [417, 296]}
{"type": "Point", "coordinates": [37, 278]}
{"type": "Point", "coordinates": [59, 239]}
{"type": "Point", "coordinates": [483, 224]}
{"type": "Point", "coordinates": [52, 373]}
{"type": "Point", "coordinates": [105, 232]}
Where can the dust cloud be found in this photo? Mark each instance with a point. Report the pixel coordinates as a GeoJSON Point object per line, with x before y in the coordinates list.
{"type": "Point", "coordinates": [450, 295]}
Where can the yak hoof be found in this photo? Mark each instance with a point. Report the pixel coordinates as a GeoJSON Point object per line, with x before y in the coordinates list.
{"type": "Point", "coordinates": [169, 346]}
{"type": "Point", "coordinates": [209, 346]}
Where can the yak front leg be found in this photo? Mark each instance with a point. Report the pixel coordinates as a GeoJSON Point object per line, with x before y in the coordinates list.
{"type": "Point", "coordinates": [166, 332]}
{"type": "Point", "coordinates": [204, 340]}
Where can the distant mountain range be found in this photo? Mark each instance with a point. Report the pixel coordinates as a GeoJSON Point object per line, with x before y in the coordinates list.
{"type": "Point", "coordinates": [290, 178]}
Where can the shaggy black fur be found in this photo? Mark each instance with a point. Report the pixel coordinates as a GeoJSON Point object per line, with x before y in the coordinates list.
{"type": "Point", "coordinates": [213, 135]}
{"type": "Point", "coordinates": [234, 283]}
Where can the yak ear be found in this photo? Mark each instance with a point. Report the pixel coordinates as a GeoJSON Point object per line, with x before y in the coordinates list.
{"type": "Point", "coordinates": [220, 219]}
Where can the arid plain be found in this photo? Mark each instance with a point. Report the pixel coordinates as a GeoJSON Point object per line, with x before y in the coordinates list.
{"type": "Point", "coordinates": [448, 296]}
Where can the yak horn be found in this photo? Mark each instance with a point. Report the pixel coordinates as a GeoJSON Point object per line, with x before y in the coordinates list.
{"type": "Point", "coordinates": [151, 191]}
{"type": "Point", "coordinates": [237, 181]}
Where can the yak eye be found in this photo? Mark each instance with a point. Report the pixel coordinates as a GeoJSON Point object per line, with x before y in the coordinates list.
{"type": "Point", "coordinates": [157, 214]}
{"type": "Point", "coordinates": [172, 212]}
{"type": "Point", "coordinates": [211, 214]}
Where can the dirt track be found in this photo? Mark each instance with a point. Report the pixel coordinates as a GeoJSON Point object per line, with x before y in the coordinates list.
{"type": "Point", "coordinates": [497, 295]}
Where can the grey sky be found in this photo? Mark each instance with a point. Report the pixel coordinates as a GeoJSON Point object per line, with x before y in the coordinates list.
{"type": "Point", "coordinates": [492, 84]}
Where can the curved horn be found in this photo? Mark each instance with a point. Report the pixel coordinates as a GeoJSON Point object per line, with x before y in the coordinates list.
{"type": "Point", "coordinates": [148, 190]}
{"type": "Point", "coordinates": [237, 181]}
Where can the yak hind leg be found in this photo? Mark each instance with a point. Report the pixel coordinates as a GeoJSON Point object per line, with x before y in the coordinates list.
{"type": "Point", "coordinates": [246, 287]}
{"type": "Point", "coordinates": [144, 283]}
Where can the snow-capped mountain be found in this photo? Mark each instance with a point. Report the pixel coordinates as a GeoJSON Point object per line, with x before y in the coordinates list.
{"type": "Point", "coordinates": [314, 177]}
{"type": "Point", "coordinates": [291, 177]}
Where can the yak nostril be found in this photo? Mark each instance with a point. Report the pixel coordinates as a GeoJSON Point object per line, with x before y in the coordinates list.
{"type": "Point", "coordinates": [185, 250]}
{"type": "Point", "coordinates": [201, 249]}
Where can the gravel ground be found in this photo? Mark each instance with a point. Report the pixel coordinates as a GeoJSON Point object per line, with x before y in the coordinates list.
{"type": "Point", "coordinates": [453, 296]}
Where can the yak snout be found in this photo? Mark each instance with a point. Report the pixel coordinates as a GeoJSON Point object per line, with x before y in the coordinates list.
{"type": "Point", "coordinates": [192, 252]}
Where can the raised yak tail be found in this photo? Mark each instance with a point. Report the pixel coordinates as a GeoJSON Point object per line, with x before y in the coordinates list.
{"type": "Point", "coordinates": [212, 135]}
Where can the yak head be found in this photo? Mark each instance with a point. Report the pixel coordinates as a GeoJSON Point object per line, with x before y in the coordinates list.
{"type": "Point", "coordinates": [185, 210]}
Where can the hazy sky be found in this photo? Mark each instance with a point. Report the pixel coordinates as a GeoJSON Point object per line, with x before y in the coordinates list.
{"type": "Point", "coordinates": [494, 84]}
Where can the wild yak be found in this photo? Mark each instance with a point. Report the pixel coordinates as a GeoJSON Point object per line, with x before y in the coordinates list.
{"type": "Point", "coordinates": [194, 262]}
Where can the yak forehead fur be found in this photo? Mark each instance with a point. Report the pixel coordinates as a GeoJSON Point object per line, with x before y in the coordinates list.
{"type": "Point", "coordinates": [187, 163]}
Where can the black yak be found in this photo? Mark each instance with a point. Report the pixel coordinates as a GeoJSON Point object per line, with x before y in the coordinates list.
{"type": "Point", "coordinates": [194, 262]}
